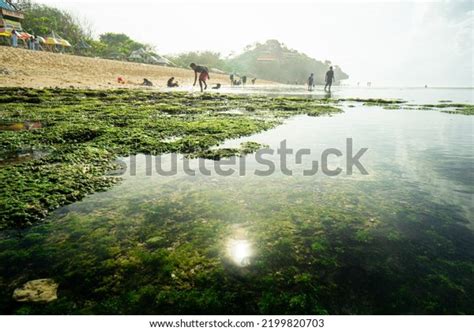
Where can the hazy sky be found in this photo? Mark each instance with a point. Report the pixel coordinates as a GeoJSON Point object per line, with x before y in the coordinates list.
{"type": "Point", "coordinates": [396, 43]}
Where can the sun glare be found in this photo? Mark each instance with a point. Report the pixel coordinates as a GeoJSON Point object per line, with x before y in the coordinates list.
{"type": "Point", "coordinates": [240, 252]}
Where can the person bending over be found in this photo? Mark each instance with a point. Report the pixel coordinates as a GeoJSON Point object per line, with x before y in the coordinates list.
{"type": "Point", "coordinates": [203, 75]}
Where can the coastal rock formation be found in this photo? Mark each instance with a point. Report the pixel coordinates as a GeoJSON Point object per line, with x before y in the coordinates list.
{"type": "Point", "coordinates": [38, 290]}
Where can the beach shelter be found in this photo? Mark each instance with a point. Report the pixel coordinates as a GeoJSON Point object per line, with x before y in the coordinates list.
{"type": "Point", "coordinates": [137, 56]}
{"type": "Point", "coordinates": [82, 45]}
{"type": "Point", "coordinates": [65, 43]}
{"type": "Point", "coordinates": [52, 40]}
{"type": "Point", "coordinates": [164, 61]}
{"type": "Point", "coordinates": [56, 40]}
{"type": "Point", "coordinates": [55, 43]}
{"type": "Point", "coordinates": [143, 56]}
{"type": "Point", "coordinates": [10, 19]}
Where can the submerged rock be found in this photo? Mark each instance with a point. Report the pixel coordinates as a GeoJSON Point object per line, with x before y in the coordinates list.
{"type": "Point", "coordinates": [38, 290]}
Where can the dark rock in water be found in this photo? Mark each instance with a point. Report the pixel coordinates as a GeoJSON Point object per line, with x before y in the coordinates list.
{"type": "Point", "coordinates": [38, 290]}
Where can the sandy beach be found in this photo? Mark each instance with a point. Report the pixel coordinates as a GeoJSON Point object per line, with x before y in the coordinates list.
{"type": "Point", "coordinates": [25, 68]}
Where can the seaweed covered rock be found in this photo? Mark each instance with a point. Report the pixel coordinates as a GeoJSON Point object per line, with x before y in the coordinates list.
{"type": "Point", "coordinates": [38, 290]}
{"type": "Point", "coordinates": [84, 131]}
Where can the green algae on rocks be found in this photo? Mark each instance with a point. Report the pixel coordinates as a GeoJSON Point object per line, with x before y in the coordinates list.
{"type": "Point", "coordinates": [338, 249]}
{"type": "Point", "coordinates": [84, 131]}
{"type": "Point", "coordinates": [445, 106]}
{"type": "Point", "coordinates": [452, 108]}
{"type": "Point", "coordinates": [375, 102]}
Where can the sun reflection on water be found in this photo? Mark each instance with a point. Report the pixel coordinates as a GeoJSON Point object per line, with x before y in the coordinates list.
{"type": "Point", "coordinates": [240, 252]}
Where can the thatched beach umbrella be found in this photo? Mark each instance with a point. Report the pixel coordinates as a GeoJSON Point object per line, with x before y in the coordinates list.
{"type": "Point", "coordinates": [83, 45]}
{"type": "Point", "coordinates": [65, 43]}
{"type": "Point", "coordinates": [55, 42]}
{"type": "Point", "coordinates": [51, 41]}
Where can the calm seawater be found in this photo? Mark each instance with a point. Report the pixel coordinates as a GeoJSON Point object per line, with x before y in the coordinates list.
{"type": "Point", "coordinates": [418, 95]}
{"type": "Point", "coordinates": [398, 239]}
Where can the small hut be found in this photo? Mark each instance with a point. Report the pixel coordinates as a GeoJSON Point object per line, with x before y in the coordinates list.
{"type": "Point", "coordinates": [10, 19]}
{"type": "Point", "coordinates": [82, 47]}
{"type": "Point", "coordinates": [143, 56]}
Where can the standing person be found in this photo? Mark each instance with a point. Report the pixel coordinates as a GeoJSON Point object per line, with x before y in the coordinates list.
{"type": "Point", "coordinates": [203, 75]}
{"type": "Point", "coordinates": [31, 43]}
{"type": "Point", "coordinates": [310, 82]}
{"type": "Point", "coordinates": [253, 80]}
{"type": "Point", "coordinates": [37, 43]}
{"type": "Point", "coordinates": [14, 38]}
{"type": "Point", "coordinates": [329, 79]}
{"type": "Point", "coordinates": [244, 80]}
{"type": "Point", "coordinates": [231, 77]}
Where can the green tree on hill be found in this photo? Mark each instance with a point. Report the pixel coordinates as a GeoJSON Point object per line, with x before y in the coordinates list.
{"type": "Point", "coordinates": [42, 20]}
{"type": "Point", "coordinates": [271, 60]}
{"type": "Point", "coordinates": [119, 46]}
{"type": "Point", "coordinates": [274, 61]}
{"type": "Point", "coordinates": [207, 58]}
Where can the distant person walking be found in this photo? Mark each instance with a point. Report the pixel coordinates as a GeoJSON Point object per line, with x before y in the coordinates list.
{"type": "Point", "coordinates": [253, 81]}
{"type": "Point", "coordinates": [310, 82]}
{"type": "Point", "coordinates": [14, 38]}
{"type": "Point", "coordinates": [244, 80]}
{"type": "Point", "coordinates": [231, 77]}
{"type": "Point", "coordinates": [329, 79]}
{"type": "Point", "coordinates": [203, 75]}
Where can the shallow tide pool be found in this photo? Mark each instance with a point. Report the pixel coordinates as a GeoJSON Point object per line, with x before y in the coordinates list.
{"type": "Point", "coordinates": [398, 239]}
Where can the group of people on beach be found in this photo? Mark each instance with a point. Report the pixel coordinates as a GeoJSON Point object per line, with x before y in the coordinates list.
{"type": "Point", "coordinates": [32, 42]}
{"type": "Point", "coordinates": [242, 80]}
{"type": "Point", "coordinates": [201, 75]}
